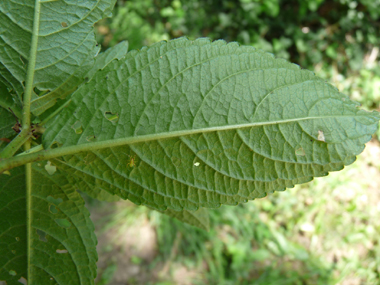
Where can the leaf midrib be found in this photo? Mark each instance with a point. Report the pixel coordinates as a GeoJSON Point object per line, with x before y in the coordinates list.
{"type": "Point", "coordinates": [68, 150]}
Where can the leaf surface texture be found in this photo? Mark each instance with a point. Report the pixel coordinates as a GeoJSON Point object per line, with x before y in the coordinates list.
{"type": "Point", "coordinates": [62, 240]}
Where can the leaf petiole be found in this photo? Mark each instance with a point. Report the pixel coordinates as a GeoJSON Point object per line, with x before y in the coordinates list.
{"type": "Point", "coordinates": [16, 143]}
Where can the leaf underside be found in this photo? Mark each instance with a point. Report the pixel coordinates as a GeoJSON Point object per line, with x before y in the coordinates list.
{"type": "Point", "coordinates": [211, 124]}
{"type": "Point", "coordinates": [62, 239]}
{"type": "Point", "coordinates": [66, 45]}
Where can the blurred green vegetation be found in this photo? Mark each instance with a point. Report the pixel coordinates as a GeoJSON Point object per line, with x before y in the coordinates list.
{"type": "Point", "coordinates": [338, 39]}
{"type": "Point", "coordinates": [324, 232]}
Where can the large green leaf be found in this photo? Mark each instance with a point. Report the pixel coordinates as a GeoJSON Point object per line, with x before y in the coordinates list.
{"type": "Point", "coordinates": [7, 119]}
{"type": "Point", "coordinates": [184, 124]}
{"type": "Point", "coordinates": [61, 241]}
{"type": "Point", "coordinates": [65, 43]}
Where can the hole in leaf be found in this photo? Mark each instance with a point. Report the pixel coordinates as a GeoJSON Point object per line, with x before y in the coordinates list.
{"type": "Point", "coordinates": [113, 117]}
{"type": "Point", "coordinates": [22, 280]}
{"type": "Point", "coordinates": [61, 251]}
{"type": "Point", "coordinates": [54, 201]}
{"type": "Point", "coordinates": [17, 238]}
{"type": "Point", "coordinates": [300, 151]}
{"type": "Point", "coordinates": [64, 24]}
{"type": "Point", "coordinates": [41, 235]}
{"type": "Point", "coordinates": [53, 209]}
{"type": "Point", "coordinates": [321, 136]}
{"type": "Point", "coordinates": [55, 144]}
{"type": "Point", "coordinates": [12, 272]}
{"type": "Point", "coordinates": [77, 127]}
{"type": "Point", "coordinates": [51, 169]}
{"type": "Point", "coordinates": [63, 223]}
{"type": "Point", "coordinates": [90, 138]}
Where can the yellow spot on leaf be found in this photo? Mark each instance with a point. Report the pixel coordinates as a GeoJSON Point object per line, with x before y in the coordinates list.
{"type": "Point", "coordinates": [300, 151]}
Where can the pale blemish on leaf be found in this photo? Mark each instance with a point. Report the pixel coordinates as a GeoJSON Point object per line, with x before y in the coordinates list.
{"type": "Point", "coordinates": [53, 209]}
{"type": "Point", "coordinates": [61, 251]}
{"type": "Point", "coordinates": [300, 151]}
{"type": "Point", "coordinates": [12, 272]}
{"type": "Point", "coordinates": [64, 24]}
{"type": "Point", "coordinates": [51, 169]}
{"type": "Point", "coordinates": [6, 172]}
{"type": "Point", "coordinates": [77, 127]}
{"type": "Point", "coordinates": [321, 136]}
{"type": "Point", "coordinates": [90, 138]}
{"type": "Point", "coordinates": [90, 157]}
{"type": "Point", "coordinates": [54, 201]}
{"type": "Point", "coordinates": [112, 117]}
{"type": "Point", "coordinates": [196, 164]}
{"type": "Point", "coordinates": [41, 235]}
{"type": "Point", "coordinates": [17, 238]}
{"type": "Point", "coordinates": [13, 251]}
{"type": "Point", "coordinates": [63, 223]}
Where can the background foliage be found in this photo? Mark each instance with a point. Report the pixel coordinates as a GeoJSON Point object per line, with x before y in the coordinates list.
{"type": "Point", "coordinates": [321, 233]}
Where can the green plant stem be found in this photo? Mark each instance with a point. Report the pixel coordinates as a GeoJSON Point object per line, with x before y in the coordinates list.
{"type": "Point", "coordinates": [31, 66]}
{"type": "Point", "coordinates": [15, 144]}
{"type": "Point", "coordinates": [36, 148]}
{"type": "Point", "coordinates": [28, 179]}
{"type": "Point", "coordinates": [26, 127]}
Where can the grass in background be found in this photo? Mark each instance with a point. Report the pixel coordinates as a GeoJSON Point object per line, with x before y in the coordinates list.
{"type": "Point", "coordinates": [324, 232]}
